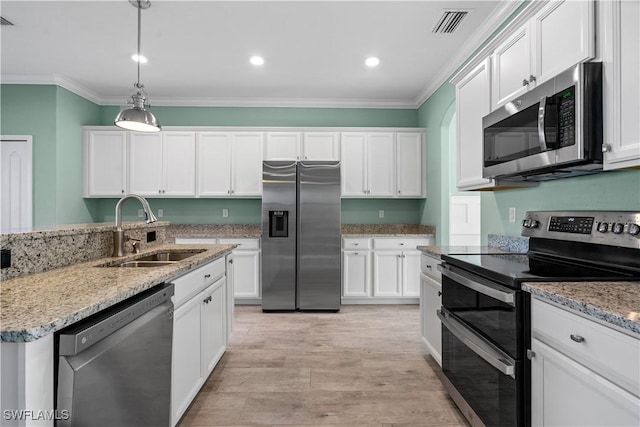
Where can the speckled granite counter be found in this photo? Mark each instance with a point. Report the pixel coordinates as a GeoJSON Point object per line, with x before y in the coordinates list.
{"type": "Point", "coordinates": [391, 230]}
{"type": "Point", "coordinates": [437, 251]}
{"type": "Point", "coordinates": [214, 231]}
{"type": "Point", "coordinates": [616, 303]}
{"type": "Point", "coordinates": [38, 304]}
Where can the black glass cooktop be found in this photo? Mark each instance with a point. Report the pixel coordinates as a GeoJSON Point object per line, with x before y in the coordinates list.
{"type": "Point", "coordinates": [513, 269]}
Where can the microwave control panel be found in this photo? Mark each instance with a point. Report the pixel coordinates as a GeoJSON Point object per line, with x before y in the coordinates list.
{"type": "Point", "coordinates": [566, 117]}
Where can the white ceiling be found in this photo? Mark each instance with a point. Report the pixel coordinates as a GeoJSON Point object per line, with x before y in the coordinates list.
{"type": "Point", "coordinates": [199, 50]}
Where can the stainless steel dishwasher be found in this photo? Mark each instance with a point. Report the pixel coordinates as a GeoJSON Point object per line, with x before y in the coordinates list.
{"type": "Point", "coordinates": [114, 369]}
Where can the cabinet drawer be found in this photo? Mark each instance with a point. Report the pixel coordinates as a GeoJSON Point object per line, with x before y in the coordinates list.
{"type": "Point", "coordinates": [243, 244]}
{"type": "Point", "coordinates": [400, 243]}
{"type": "Point", "coordinates": [190, 284]}
{"type": "Point", "coordinates": [606, 351]}
{"type": "Point", "coordinates": [356, 244]}
{"type": "Point", "coordinates": [429, 267]}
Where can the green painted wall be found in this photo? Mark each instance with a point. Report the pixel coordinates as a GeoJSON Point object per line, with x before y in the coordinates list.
{"type": "Point", "coordinates": [249, 116]}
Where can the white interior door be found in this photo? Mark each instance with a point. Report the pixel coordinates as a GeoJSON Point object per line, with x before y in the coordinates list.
{"type": "Point", "coordinates": [15, 184]}
{"type": "Point", "coordinates": [464, 220]}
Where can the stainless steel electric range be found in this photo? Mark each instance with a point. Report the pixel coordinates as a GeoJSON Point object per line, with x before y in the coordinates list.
{"type": "Point", "coordinates": [486, 316]}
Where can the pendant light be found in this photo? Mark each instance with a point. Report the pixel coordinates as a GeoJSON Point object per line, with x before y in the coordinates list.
{"type": "Point", "coordinates": [137, 118]}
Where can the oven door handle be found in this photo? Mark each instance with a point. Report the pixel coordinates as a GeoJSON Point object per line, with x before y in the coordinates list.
{"type": "Point", "coordinates": [541, 119]}
{"type": "Point", "coordinates": [490, 290]}
{"type": "Point", "coordinates": [480, 346]}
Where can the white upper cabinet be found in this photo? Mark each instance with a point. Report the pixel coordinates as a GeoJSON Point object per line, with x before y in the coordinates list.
{"type": "Point", "coordinates": [321, 146]}
{"type": "Point", "coordinates": [302, 146]}
{"type": "Point", "coordinates": [179, 164]}
{"type": "Point", "coordinates": [368, 164]}
{"type": "Point", "coordinates": [473, 94]}
{"type": "Point", "coordinates": [162, 164]}
{"type": "Point", "coordinates": [410, 160]}
{"type": "Point", "coordinates": [230, 164]}
{"type": "Point", "coordinates": [282, 146]}
{"type": "Point", "coordinates": [145, 164]}
{"type": "Point", "coordinates": [621, 59]}
{"type": "Point", "coordinates": [104, 163]}
{"type": "Point", "coordinates": [559, 36]}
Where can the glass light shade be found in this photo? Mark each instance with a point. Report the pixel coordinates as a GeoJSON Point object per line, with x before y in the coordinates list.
{"type": "Point", "coordinates": [136, 119]}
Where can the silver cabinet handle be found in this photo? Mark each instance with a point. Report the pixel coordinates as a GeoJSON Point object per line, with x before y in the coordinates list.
{"type": "Point", "coordinates": [606, 148]}
{"type": "Point", "coordinates": [206, 276]}
{"type": "Point", "coordinates": [479, 345]}
{"type": "Point", "coordinates": [576, 338]}
{"type": "Point", "coordinates": [532, 78]}
{"type": "Point", "coordinates": [356, 244]}
{"type": "Point", "coordinates": [489, 289]}
{"type": "Point", "coordinates": [428, 266]}
{"type": "Point", "coordinates": [525, 82]}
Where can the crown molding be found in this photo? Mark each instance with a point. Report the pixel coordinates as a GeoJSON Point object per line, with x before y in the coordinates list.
{"type": "Point", "coordinates": [53, 79]}
{"type": "Point", "coordinates": [471, 45]}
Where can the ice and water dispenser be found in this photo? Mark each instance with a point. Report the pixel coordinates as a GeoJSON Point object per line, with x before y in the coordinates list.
{"type": "Point", "coordinates": [278, 223]}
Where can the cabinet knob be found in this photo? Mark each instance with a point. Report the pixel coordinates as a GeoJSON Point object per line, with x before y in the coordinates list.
{"type": "Point", "coordinates": [606, 148]}
{"type": "Point", "coordinates": [122, 191]}
{"type": "Point", "coordinates": [532, 78]}
{"type": "Point", "coordinates": [576, 338]}
{"type": "Point", "coordinates": [356, 253]}
{"type": "Point", "coordinates": [439, 293]}
{"type": "Point", "coordinates": [356, 244]}
{"type": "Point", "coordinates": [159, 191]}
{"type": "Point", "coordinates": [398, 191]}
{"type": "Point", "coordinates": [230, 261]}
{"type": "Point", "coordinates": [206, 276]}
{"type": "Point", "coordinates": [525, 82]}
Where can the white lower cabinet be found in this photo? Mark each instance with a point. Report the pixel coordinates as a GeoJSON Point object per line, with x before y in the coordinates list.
{"type": "Point", "coordinates": [199, 332]}
{"type": "Point", "coordinates": [381, 270]}
{"type": "Point", "coordinates": [582, 373]}
{"type": "Point", "coordinates": [430, 302]}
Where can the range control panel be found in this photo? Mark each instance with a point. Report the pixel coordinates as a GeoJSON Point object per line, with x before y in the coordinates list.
{"type": "Point", "coordinates": [602, 227]}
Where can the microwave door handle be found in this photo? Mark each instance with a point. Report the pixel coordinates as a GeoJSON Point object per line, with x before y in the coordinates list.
{"type": "Point", "coordinates": [541, 119]}
{"type": "Point", "coordinates": [478, 345]}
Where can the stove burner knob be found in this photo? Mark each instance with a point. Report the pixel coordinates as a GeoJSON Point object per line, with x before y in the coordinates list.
{"type": "Point", "coordinates": [634, 229]}
{"type": "Point", "coordinates": [617, 228]}
{"type": "Point", "coordinates": [525, 223]}
{"type": "Point", "coordinates": [603, 227]}
{"type": "Point", "coordinates": [534, 223]}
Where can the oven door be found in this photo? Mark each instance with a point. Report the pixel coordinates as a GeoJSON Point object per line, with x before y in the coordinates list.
{"type": "Point", "coordinates": [489, 381]}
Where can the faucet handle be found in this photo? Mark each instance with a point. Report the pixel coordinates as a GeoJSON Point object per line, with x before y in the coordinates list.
{"type": "Point", "coordinates": [134, 244]}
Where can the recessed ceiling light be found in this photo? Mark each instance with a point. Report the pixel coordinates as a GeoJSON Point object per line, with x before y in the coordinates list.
{"type": "Point", "coordinates": [256, 60]}
{"type": "Point", "coordinates": [372, 61]}
{"type": "Point", "coordinates": [141, 59]}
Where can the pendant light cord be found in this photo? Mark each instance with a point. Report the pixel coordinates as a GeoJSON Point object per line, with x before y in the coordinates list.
{"type": "Point", "coordinates": [139, 32]}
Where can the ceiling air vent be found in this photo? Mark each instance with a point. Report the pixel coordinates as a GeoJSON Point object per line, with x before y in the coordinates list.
{"type": "Point", "coordinates": [4, 21]}
{"type": "Point", "coordinates": [449, 21]}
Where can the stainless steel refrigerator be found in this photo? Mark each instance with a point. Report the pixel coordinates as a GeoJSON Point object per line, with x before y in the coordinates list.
{"type": "Point", "coordinates": [301, 236]}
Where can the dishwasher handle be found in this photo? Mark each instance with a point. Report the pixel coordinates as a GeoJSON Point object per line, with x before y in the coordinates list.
{"type": "Point", "coordinates": [83, 335]}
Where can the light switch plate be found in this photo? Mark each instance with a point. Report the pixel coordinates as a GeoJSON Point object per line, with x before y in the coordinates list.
{"type": "Point", "coordinates": [225, 213]}
{"type": "Point", "coordinates": [140, 213]}
{"type": "Point", "coordinates": [160, 213]}
{"type": "Point", "coordinates": [512, 214]}
{"type": "Point", "coordinates": [381, 213]}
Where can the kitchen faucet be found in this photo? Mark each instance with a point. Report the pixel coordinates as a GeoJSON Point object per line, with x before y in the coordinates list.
{"type": "Point", "coordinates": [118, 233]}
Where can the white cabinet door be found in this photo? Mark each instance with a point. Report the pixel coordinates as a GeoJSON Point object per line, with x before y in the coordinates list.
{"type": "Point", "coordinates": [622, 86]}
{"type": "Point", "coordinates": [387, 274]}
{"type": "Point", "coordinates": [105, 160]}
{"type": "Point", "coordinates": [354, 167]}
{"type": "Point", "coordinates": [179, 163]}
{"type": "Point", "coordinates": [321, 146]}
{"type": "Point", "coordinates": [411, 274]}
{"type": "Point", "coordinates": [145, 164]}
{"type": "Point", "coordinates": [186, 376]}
{"type": "Point", "coordinates": [564, 36]}
{"type": "Point", "coordinates": [430, 301]}
{"type": "Point", "coordinates": [472, 104]}
{"type": "Point", "coordinates": [381, 164]}
{"type": "Point", "coordinates": [512, 67]}
{"type": "Point", "coordinates": [214, 164]}
{"type": "Point", "coordinates": [246, 274]}
{"type": "Point", "coordinates": [282, 146]}
{"type": "Point", "coordinates": [214, 326]}
{"type": "Point", "coordinates": [565, 393]}
{"type": "Point", "coordinates": [246, 167]}
{"type": "Point", "coordinates": [409, 164]}
{"type": "Point", "coordinates": [356, 276]}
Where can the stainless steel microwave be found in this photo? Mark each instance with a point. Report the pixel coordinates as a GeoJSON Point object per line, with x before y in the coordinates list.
{"type": "Point", "coordinates": [553, 131]}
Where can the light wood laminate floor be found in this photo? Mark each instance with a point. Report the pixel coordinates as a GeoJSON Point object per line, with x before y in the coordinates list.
{"type": "Point", "coordinates": [362, 366]}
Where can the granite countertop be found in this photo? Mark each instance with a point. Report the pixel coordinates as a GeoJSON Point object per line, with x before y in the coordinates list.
{"type": "Point", "coordinates": [387, 230]}
{"type": "Point", "coordinates": [36, 305]}
{"type": "Point", "coordinates": [248, 231]}
{"type": "Point", "coordinates": [615, 303]}
{"type": "Point", "coordinates": [437, 251]}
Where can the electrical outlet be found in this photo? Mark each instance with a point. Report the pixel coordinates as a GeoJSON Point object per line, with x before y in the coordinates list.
{"type": "Point", "coordinates": [151, 236]}
{"type": "Point", "coordinates": [381, 213]}
{"type": "Point", "coordinates": [160, 213]}
{"type": "Point", "coordinates": [6, 258]}
{"type": "Point", "coordinates": [512, 214]}
{"type": "Point", "coordinates": [140, 213]}
{"type": "Point", "coordinates": [225, 213]}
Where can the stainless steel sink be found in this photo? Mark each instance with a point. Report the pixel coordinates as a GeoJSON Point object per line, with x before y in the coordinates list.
{"type": "Point", "coordinates": [169, 256]}
{"type": "Point", "coordinates": [155, 260]}
{"type": "Point", "coordinates": [143, 264]}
